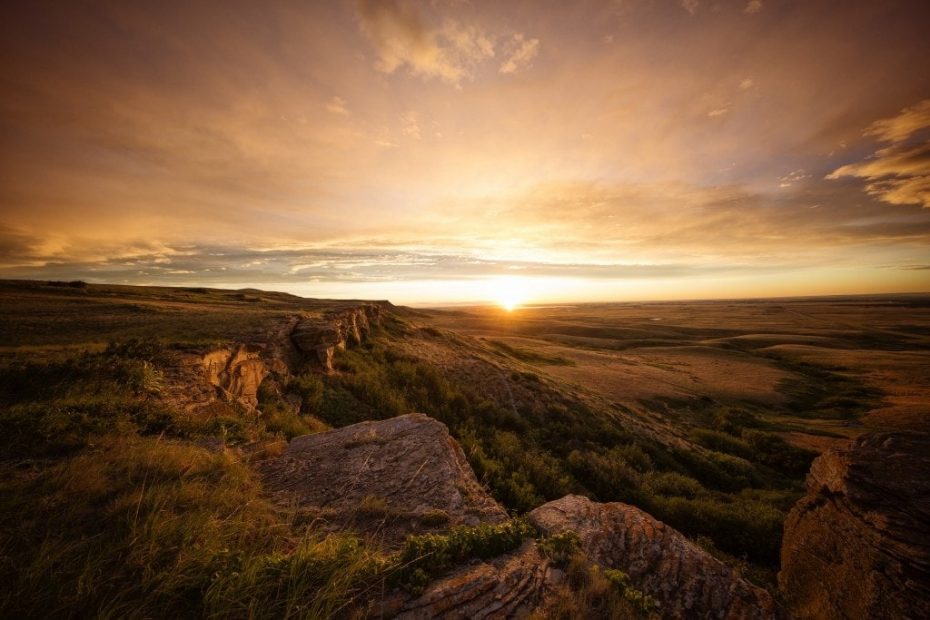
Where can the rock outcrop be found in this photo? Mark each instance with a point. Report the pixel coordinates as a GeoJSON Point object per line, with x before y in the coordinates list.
{"type": "Point", "coordinates": [858, 544]}
{"type": "Point", "coordinates": [685, 580]}
{"type": "Point", "coordinates": [390, 478]}
{"type": "Point", "coordinates": [200, 383]}
{"type": "Point", "coordinates": [322, 336]}
{"type": "Point", "coordinates": [510, 586]}
{"type": "Point", "coordinates": [208, 382]}
{"type": "Point", "coordinates": [236, 373]}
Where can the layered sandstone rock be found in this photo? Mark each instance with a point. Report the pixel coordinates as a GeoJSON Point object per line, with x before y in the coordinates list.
{"type": "Point", "coordinates": [510, 586]}
{"type": "Point", "coordinates": [858, 544]}
{"type": "Point", "coordinates": [390, 478]}
{"type": "Point", "coordinates": [322, 336]}
{"type": "Point", "coordinates": [200, 382]}
{"type": "Point", "coordinates": [236, 373]}
{"type": "Point", "coordinates": [685, 580]}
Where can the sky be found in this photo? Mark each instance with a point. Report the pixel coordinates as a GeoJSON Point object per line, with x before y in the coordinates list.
{"type": "Point", "coordinates": [451, 151]}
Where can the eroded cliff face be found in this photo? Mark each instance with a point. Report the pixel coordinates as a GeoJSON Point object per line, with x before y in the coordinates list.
{"type": "Point", "coordinates": [200, 383]}
{"type": "Point", "coordinates": [322, 336]}
{"type": "Point", "coordinates": [207, 382]}
{"type": "Point", "coordinates": [236, 373]}
{"type": "Point", "coordinates": [858, 544]}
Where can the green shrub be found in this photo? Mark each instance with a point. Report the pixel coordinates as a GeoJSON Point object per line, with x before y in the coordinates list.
{"type": "Point", "coordinates": [672, 484]}
{"type": "Point", "coordinates": [560, 547]}
{"type": "Point", "coordinates": [309, 386]}
{"type": "Point", "coordinates": [607, 475]}
{"type": "Point", "coordinates": [732, 420]}
{"type": "Point", "coordinates": [772, 450]}
{"type": "Point", "coordinates": [741, 527]}
{"type": "Point", "coordinates": [722, 442]}
{"type": "Point", "coordinates": [621, 582]}
{"type": "Point", "coordinates": [591, 592]}
{"type": "Point", "coordinates": [426, 555]}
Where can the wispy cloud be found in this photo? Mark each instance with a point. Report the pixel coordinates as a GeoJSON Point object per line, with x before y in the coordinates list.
{"type": "Point", "coordinates": [520, 53]}
{"type": "Point", "coordinates": [410, 125]}
{"type": "Point", "coordinates": [897, 128]}
{"type": "Point", "coordinates": [337, 105]}
{"type": "Point", "coordinates": [690, 5]}
{"type": "Point", "coordinates": [793, 177]}
{"type": "Point", "coordinates": [753, 7]}
{"type": "Point", "coordinates": [403, 38]}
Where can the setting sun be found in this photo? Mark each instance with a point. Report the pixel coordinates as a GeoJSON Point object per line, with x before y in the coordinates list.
{"type": "Point", "coordinates": [510, 293]}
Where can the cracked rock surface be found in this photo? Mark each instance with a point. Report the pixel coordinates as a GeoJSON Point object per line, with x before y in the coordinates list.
{"type": "Point", "coordinates": [391, 477]}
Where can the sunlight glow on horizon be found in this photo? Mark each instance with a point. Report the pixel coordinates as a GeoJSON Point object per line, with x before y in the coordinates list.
{"type": "Point", "coordinates": [511, 292]}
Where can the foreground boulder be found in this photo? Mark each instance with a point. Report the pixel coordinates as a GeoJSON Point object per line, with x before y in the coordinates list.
{"type": "Point", "coordinates": [858, 544]}
{"type": "Point", "coordinates": [390, 477]}
{"type": "Point", "coordinates": [684, 579]}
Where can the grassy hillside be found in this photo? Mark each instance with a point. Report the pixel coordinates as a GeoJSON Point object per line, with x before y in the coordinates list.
{"type": "Point", "coordinates": [115, 503]}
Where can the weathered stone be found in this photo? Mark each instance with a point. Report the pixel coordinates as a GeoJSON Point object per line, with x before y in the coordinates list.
{"type": "Point", "coordinates": [509, 586]}
{"type": "Point", "coordinates": [390, 477]}
{"type": "Point", "coordinates": [237, 373]}
{"type": "Point", "coordinates": [686, 581]}
{"type": "Point", "coordinates": [205, 382]}
{"type": "Point", "coordinates": [858, 544]}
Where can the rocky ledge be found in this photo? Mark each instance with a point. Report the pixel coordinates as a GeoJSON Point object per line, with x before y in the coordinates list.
{"type": "Point", "coordinates": [207, 382]}
{"type": "Point", "coordinates": [858, 544]}
{"type": "Point", "coordinates": [322, 336]}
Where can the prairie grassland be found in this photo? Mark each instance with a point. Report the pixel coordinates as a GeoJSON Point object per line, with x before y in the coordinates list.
{"type": "Point", "coordinates": [707, 416]}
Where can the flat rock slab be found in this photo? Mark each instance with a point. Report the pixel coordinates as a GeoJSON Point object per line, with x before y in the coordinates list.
{"type": "Point", "coordinates": [685, 580]}
{"type": "Point", "coordinates": [389, 477]}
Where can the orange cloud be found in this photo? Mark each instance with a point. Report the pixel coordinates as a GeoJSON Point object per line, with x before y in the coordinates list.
{"type": "Point", "coordinates": [402, 38]}
{"type": "Point", "coordinates": [900, 173]}
{"type": "Point", "coordinates": [521, 52]}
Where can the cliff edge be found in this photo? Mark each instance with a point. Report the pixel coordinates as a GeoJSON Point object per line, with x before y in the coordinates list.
{"type": "Point", "coordinates": [858, 544]}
